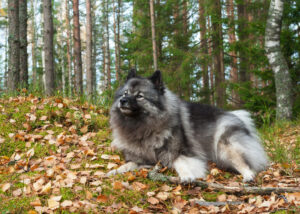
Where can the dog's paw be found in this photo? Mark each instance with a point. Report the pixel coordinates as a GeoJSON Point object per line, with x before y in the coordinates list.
{"type": "Point", "coordinates": [248, 176]}
{"type": "Point", "coordinates": [111, 173]}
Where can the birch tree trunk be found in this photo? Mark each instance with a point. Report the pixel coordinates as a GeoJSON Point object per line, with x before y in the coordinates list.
{"type": "Point", "coordinates": [277, 61]}
{"type": "Point", "coordinates": [23, 43]}
{"type": "Point", "coordinates": [33, 44]}
{"type": "Point", "coordinates": [89, 70]}
{"type": "Point", "coordinates": [152, 14]}
{"type": "Point", "coordinates": [14, 45]}
{"type": "Point", "coordinates": [48, 48]}
{"type": "Point", "coordinates": [77, 48]}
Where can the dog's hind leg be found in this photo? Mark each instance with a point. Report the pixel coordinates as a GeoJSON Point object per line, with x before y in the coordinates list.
{"type": "Point", "coordinates": [231, 157]}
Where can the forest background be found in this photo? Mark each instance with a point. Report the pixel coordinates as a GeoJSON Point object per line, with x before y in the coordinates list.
{"type": "Point", "coordinates": [208, 51]}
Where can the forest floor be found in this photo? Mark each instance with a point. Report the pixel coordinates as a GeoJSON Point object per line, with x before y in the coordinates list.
{"type": "Point", "coordinates": [54, 154]}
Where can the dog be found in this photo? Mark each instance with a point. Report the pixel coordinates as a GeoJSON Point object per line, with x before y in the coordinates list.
{"type": "Point", "coordinates": [151, 124]}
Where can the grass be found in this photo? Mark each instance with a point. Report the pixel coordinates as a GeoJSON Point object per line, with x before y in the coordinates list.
{"type": "Point", "coordinates": [282, 141]}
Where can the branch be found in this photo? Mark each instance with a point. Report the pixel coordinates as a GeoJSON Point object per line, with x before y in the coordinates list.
{"type": "Point", "coordinates": [243, 190]}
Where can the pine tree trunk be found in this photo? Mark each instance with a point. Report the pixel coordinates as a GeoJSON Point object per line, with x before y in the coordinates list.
{"type": "Point", "coordinates": [152, 14]}
{"type": "Point", "coordinates": [89, 45]}
{"type": "Point", "coordinates": [116, 16]}
{"type": "Point", "coordinates": [232, 41]}
{"type": "Point", "coordinates": [77, 49]}
{"type": "Point", "coordinates": [14, 45]}
{"type": "Point", "coordinates": [204, 51]}
{"type": "Point", "coordinates": [277, 61]}
{"type": "Point", "coordinates": [218, 54]}
{"type": "Point", "coordinates": [69, 57]}
{"type": "Point", "coordinates": [23, 43]}
{"type": "Point", "coordinates": [243, 36]}
{"type": "Point", "coordinates": [107, 55]}
{"type": "Point", "coordinates": [48, 48]}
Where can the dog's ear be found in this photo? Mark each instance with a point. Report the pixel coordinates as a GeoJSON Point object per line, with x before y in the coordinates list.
{"type": "Point", "coordinates": [131, 74]}
{"type": "Point", "coordinates": [156, 79]}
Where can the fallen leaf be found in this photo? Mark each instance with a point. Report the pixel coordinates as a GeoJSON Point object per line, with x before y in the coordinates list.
{"type": "Point", "coordinates": [5, 187]}
{"type": "Point", "coordinates": [88, 195]}
{"type": "Point", "coordinates": [153, 200]}
{"type": "Point", "coordinates": [163, 195]}
{"type": "Point", "coordinates": [52, 204]}
{"type": "Point", "coordinates": [139, 186]}
{"type": "Point", "coordinates": [102, 198]}
{"type": "Point", "coordinates": [66, 203]}
{"type": "Point", "coordinates": [118, 185]}
{"type": "Point", "coordinates": [36, 202]}
{"type": "Point", "coordinates": [111, 165]}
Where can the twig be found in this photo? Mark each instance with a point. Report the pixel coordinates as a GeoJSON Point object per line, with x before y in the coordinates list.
{"type": "Point", "coordinates": [243, 190]}
{"type": "Point", "coordinates": [219, 203]}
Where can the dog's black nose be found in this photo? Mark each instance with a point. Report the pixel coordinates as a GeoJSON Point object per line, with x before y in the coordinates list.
{"type": "Point", "coordinates": [123, 101]}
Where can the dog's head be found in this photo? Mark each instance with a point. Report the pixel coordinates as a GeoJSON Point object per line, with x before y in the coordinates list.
{"type": "Point", "coordinates": [140, 95]}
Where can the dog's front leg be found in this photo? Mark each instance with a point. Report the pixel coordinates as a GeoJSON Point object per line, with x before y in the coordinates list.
{"type": "Point", "coordinates": [129, 166]}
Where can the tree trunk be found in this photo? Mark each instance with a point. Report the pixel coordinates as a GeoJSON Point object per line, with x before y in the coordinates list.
{"type": "Point", "coordinates": [33, 44]}
{"type": "Point", "coordinates": [69, 57]}
{"type": "Point", "coordinates": [277, 61]}
{"type": "Point", "coordinates": [23, 43]}
{"type": "Point", "coordinates": [48, 48]}
{"type": "Point", "coordinates": [152, 14]}
{"type": "Point", "coordinates": [89, 38]}
{"type": "Point", "coordinates": [95, 46]}
{"type": "Point", "coordinates": [203, 51]}
{"type": "Point", "coordinates": [233, 62]}
{"type": "Point", "coordinates": [116, 17]}
{"type": "Point", "coordinates": [77, 49]}
{"type": "Point", "coordinates": [14, 45]}
{"type": "Point", "coordinates": [217, 39]}
{"type": "Point", "coordinates": [243, 36]}
{"type": "Point", "coordinates": [107, 55]}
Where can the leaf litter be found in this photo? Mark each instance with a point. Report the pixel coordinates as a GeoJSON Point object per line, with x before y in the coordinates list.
{"type": "Point", "coordinates": [64, 154]}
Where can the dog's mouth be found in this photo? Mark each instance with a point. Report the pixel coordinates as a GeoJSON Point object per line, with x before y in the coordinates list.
{"type": "Point", "coordinates": [126, 110]}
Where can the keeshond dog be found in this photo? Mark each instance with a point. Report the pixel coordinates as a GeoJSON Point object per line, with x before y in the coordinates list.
{"type": "Point", "coordinates": [150, 124]}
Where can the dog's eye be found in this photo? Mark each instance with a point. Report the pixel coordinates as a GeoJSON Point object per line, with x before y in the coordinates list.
{"type": "Point", "coordinates": [125, 93]}
{"type": "Point", "coordinates": [139, 96]}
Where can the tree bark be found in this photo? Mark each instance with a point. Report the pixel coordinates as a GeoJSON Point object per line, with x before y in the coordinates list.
{"type": "Point", "coordinates": [33, 45]}
{"type": "Point", "coordinates": [203, 51]}
{"type": "Point", "coordinates": [23, 16]}
{"type": "Point", "coordinates": [277, 61]}
{"type": "Point", "coordinates": [48, 48]}
{"type": "Point", "coordinates": [116, 16]}
{"type": "Point", "coordinates": [152, 14]}
{"type": "Point", "coordinates": [243, 36]}
{"type": "Point", "coordinates": [107, 55]}
{"type": "Point", "coordinates": [77, 49]}
{"type": "Point", "coordinates": [233, 62]}
{"type": "Point", "coordinates": [14, 45]}
{"type": "Point", "coordinates": [89, 45]}
{"type": "Point", "coordinates": [69, 56]}
{"type": "Point", "coordinates": [242, 190]}
{"type": "Point", "coordinates": [218, 54]}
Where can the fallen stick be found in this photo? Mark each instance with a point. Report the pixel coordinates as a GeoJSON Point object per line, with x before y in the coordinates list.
{"type": "Point", "coordinates": [243, 190]}
{"type": "Point", "coordinates": [217, 203]}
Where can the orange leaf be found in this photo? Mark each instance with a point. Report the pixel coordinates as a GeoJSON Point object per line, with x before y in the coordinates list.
{"type": "Point", "coordinates": [102, 199]}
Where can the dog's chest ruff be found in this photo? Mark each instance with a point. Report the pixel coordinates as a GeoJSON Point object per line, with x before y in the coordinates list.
{"type": "Point", "coordinates": [144, 148]}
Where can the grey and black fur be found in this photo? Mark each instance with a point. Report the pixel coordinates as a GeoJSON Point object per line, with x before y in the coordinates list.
{"type": "Point", "coordinates": [151, 124]}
